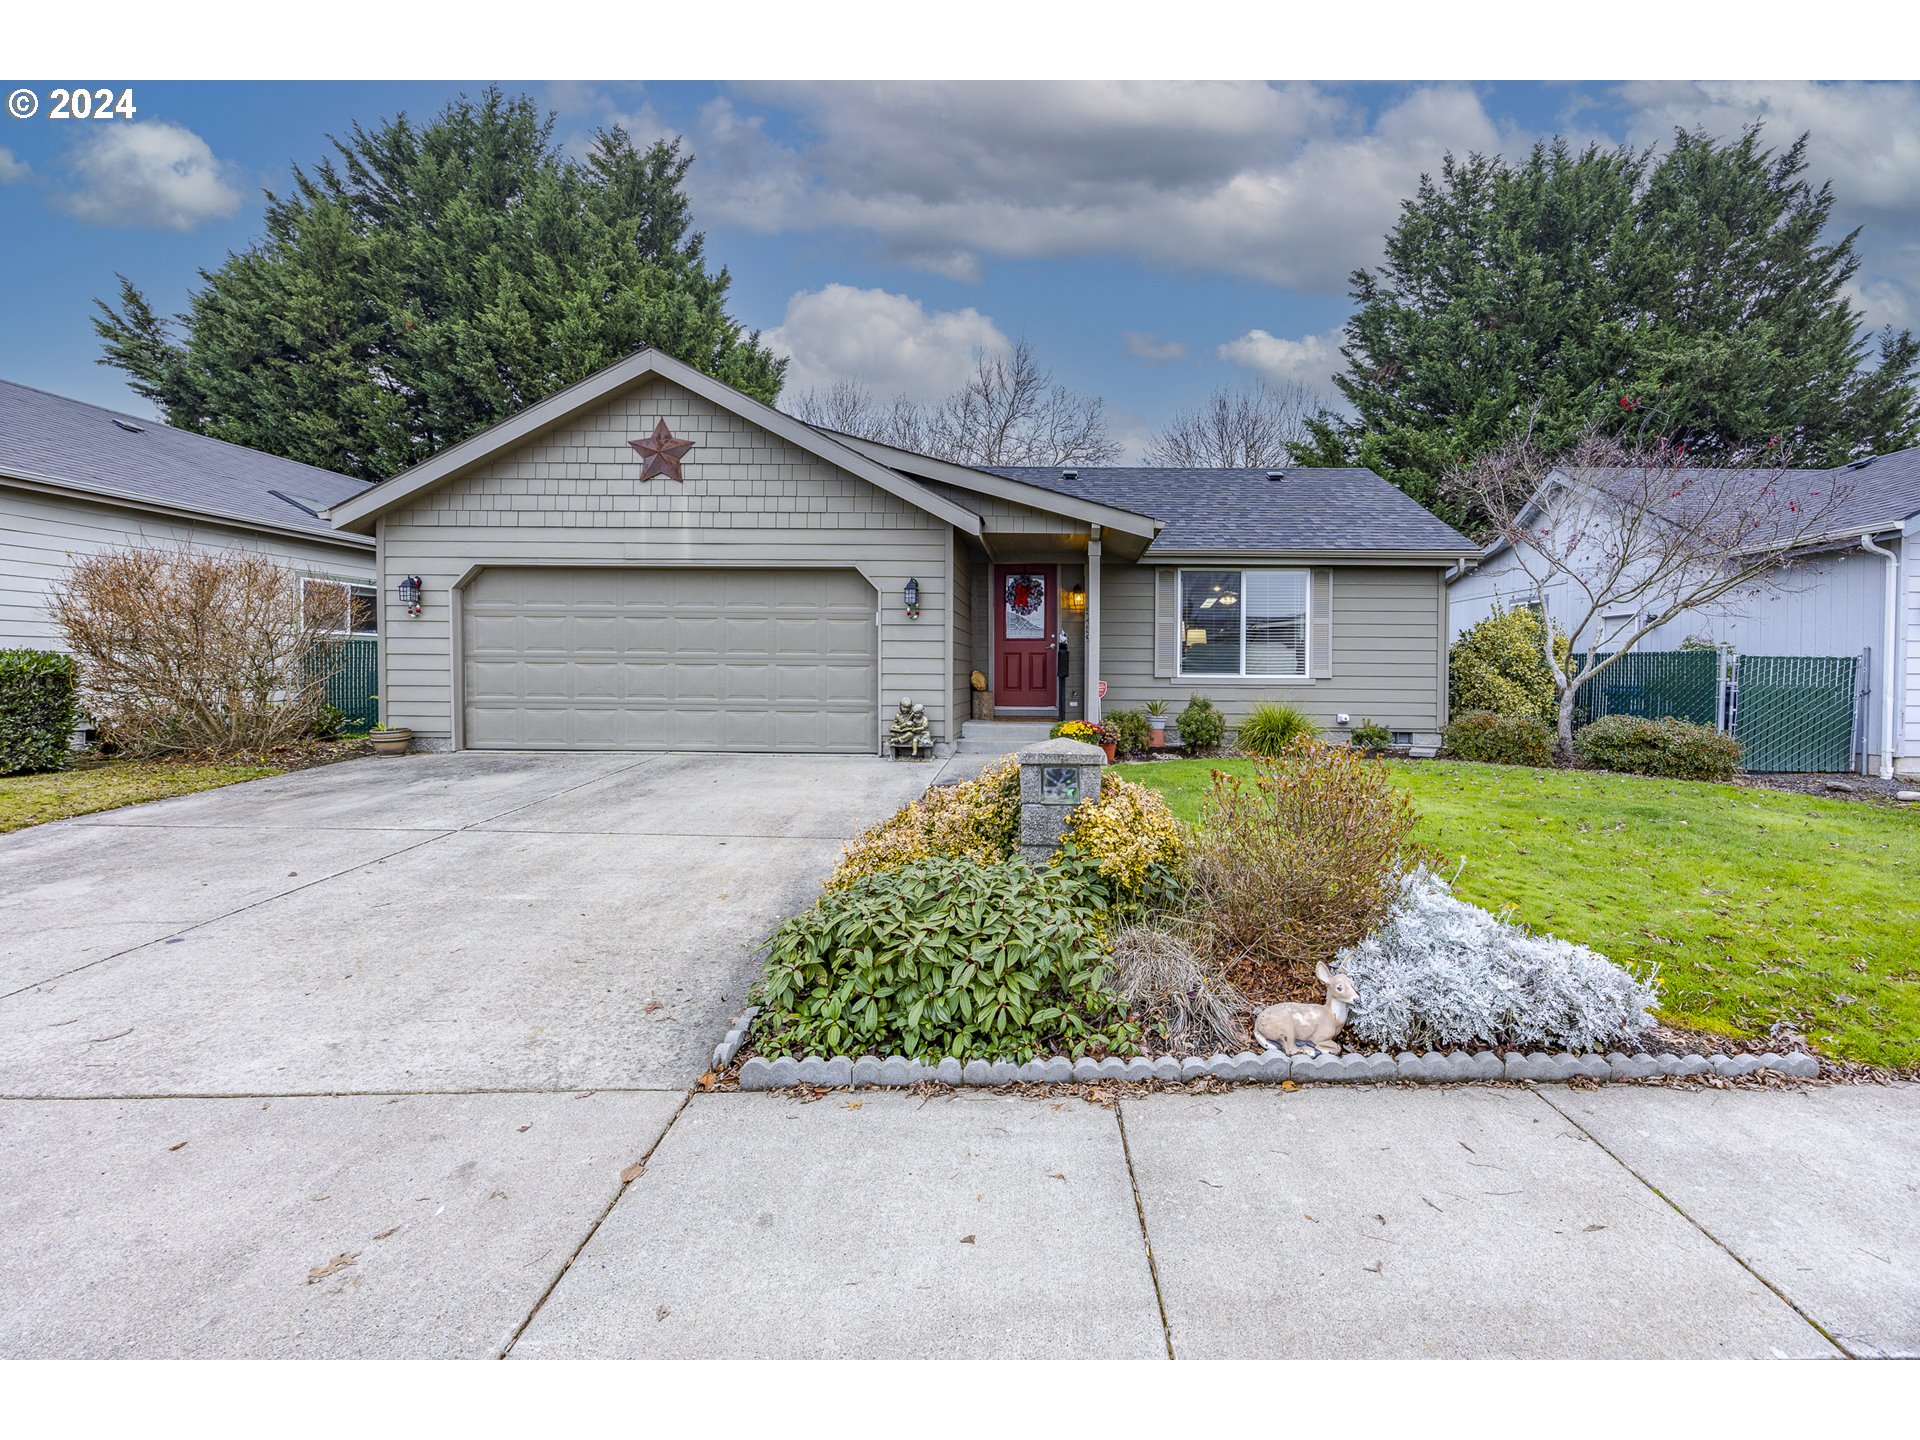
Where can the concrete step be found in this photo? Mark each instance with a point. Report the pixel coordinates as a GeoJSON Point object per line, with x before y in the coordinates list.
{"type": "Point", "coordinates": [1015, 732]}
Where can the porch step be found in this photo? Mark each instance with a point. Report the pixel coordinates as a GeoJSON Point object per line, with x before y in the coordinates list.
{"type": "Point", "coordinates": [999, 737]}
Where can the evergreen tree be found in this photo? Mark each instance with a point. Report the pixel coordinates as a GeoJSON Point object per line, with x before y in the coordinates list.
{"type": "Point", "coordinates": [1611, 286]}
{"type": "Point", "coordinates": [420, 284]}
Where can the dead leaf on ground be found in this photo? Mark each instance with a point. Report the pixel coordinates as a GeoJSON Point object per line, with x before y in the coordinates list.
{"type": "Point", "coordinates": [632, 1173]}
{"type": "Point", "coordinates": [390, 1230]}
{"type": "Point", "coordinates": [853, 1104]}
{"type": "Point", "coordinates": [1591, 1228]}
{"type": "Point", "coordinates": [524, 1128]}
{"type": "Point", "coordinates": [1375, 1268]}
{"type": "Point", "coordinates": [651, 1006]}
{"type": "Point", "coordinates": [338, 1262]}
{"type": "Point", "coordinates": [966, 1239]}
{"type": "Point", "coordinates": [661, 1313]}
{"type": "Point", "coordinates": [1055, 1175]}
{"type": "Point", "coordinates": [181, 1146]}
{"type": "Point", "coordinates": [100, 1039]}
{"type": "Point", "coordinates": [709, 1080]}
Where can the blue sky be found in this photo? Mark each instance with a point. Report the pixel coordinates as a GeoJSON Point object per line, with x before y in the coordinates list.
{"type": "Point", "coordinates": [1153, 240]}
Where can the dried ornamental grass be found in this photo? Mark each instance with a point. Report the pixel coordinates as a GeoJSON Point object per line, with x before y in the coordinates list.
{"type": "Point", "coordinates": [1299, 860]}
{"type": "Point", "coordinates": [1445, 973]}
{"type": "Point", "coordinates": [1172, 987]}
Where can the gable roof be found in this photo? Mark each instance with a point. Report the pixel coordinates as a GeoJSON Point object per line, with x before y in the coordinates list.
{"type": "Point", "coordinates": [52, 443]}
{"type": "Point", "coordinates": [1225, 512]}
{"type": "Point", "coordinates": [1881, 492]}
{"type": "Point", "coordinates": [361, 512]}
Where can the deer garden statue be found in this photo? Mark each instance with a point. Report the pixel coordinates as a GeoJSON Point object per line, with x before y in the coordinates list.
{"type": "Point", "coordinates": [1287, 1027]}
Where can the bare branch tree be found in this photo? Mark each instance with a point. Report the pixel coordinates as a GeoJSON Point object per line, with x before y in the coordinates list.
{"type": "Point", "coordinates": [1252, 428]}
{"type": "Point", "coordinates": [1009, 412]}
{"type": "Point", "coordinates": [1629, 527]}
{"type": "Point", "coordinates": [197, 652]}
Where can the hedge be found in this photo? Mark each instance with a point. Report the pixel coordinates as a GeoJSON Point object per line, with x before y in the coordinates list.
{"type": "Point", "coordinates": [37, 710]}
{"type": "Point", "coordinates": [1673, 749]}
{"type": "Point", "coordinates": [1492, 739]}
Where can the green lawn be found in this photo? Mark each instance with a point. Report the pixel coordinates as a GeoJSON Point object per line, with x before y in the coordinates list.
{"type": "Point", "coordinates": [1758, 906]}
{"type": "Point", "coordinates": [35, 799]}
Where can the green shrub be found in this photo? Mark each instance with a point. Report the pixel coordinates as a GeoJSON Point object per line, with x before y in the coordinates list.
{"type": "Point", "coordinates": [978, 820]}
{"type": "Point", "coordinates": [1271, 726]}
{"type": "Point", "coordinates": [1133, 732]}
{"type": "Point", "coordinates": [1202, 727]}
{"type": "Point", "coordinates": [945, 958]}
{"type": "Point", "coordinates": [37, 710]}
{"type": "Point", "coordinates": [1500, 739]}
{"type": "Point", "coordinates": [1369, 736]}
{"type": "Point", "coordinates": [1499, 665]}
{"type": "Point", "coordinates": [1676, 749]}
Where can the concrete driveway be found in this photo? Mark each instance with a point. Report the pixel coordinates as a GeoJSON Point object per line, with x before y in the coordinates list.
{"type": "Point", "coordinates": [398, 1058]}
{"type": "Point", "coordinates": [438, 923]}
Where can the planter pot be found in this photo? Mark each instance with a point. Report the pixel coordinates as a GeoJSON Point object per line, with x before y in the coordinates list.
{"type": "Point", "coordinates": [1109, 749]}
{"type": "Point", "coordinates": [390, 742]}
{"type": "Point", "coordinates": [1159, 737]}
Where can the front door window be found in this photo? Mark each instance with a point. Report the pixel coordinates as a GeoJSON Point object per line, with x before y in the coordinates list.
{"type": "Point", "coordinates": [1026, 606]}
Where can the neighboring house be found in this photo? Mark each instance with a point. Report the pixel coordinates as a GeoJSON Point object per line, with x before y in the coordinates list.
{"type": "Point", "coordinates": [651, 559]}
{"type": "Point", "coordinates": [1854, 591]}
{"type": "Point", "coordinates": [76, 479]}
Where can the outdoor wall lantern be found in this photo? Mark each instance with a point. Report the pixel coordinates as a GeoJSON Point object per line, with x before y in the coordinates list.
{"type": "Point", "coordinates": [410, 594]}
{"type": "Point", "coordinates": [1077, 599]}
{"type": "Point", "coordinates": [913, 599]}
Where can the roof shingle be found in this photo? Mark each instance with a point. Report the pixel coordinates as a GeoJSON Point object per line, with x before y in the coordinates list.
{"type": "Point", "coordinates": [1306, 510]}
{"type": "Point", "coordinates": [49, 437]}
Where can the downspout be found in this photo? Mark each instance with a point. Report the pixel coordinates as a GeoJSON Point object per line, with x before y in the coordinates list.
{"type": "Point", "coordinates": [1889, 615]}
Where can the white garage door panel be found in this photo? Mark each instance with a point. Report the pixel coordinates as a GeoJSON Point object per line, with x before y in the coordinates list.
{"type": "Point", "coordinates": [661, 659]}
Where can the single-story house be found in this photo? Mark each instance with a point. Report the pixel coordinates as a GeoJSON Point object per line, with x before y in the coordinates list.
{"type": "Point", "coordinates": [76, 479]}
{"type": "Point", "coordinates": [1853, 591]}
{"type": "Point", "coordinates": [651, 559]}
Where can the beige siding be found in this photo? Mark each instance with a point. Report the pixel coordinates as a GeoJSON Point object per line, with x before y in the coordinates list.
{"type": "Point", "coordinates": [40, 534]}
{"type": "Point", "coordinates": [574, 496]}
{"type": "Point", "coordinates": [1004, 517]}
{"type": "Point", "coordinates": [1386, 652]}
{"type": "Point", "coordinates": [963, 657]}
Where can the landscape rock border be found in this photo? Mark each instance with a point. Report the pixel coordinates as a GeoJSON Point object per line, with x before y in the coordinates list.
{"type": "Point", "coordinates": [1371, 1067]}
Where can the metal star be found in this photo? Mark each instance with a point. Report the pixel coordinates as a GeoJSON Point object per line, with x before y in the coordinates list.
{"type": "Point", "coordinates": [662, 453]}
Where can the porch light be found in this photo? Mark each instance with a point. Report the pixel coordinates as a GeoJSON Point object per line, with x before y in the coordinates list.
{"type": "Point", "coordinates": [913, 599]}
{"type": "Point", "coordinates": [410, 594]}
{"type": "Point", "coordinates": [1077, 599]}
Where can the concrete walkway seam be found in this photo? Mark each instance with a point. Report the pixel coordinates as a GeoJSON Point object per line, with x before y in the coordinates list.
{"type": "Point", "coordinates": [1146, 1239]}
{"type": "Point", "coordinates": [1680, 1210]}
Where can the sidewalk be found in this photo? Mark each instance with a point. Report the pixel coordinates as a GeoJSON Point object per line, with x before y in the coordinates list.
{"type": "Point", "coordinates": [1327, 1222]}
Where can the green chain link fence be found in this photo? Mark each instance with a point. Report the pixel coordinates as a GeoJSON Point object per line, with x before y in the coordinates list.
{"type": "Point", "coordinates": [1790, 713]}
{"type": "Point", "coordinates": [1795, 712]}
{"type": "Point", "coordinates": [1653, 685]}
{"type": "Point", "coordinates": [351, 681]}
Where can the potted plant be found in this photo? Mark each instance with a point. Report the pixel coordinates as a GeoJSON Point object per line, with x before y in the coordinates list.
{"type": "Point", "coordinates": [1107, 738]}
{"type": "Point", "coordinates": [389, 740]}
{"type": "Point", "coordinates": [1157, 718]}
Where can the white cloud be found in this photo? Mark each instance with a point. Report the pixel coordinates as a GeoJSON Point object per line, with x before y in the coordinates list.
{"type": "Point", "coordinates": [890, 343]}
{"type": "Point", "coordinates": [148, 173]}
{"type": "Point", "coordinates": [11, 167]}
{"type": "Point", "coordinates": [1289, 184]}
{"type": "Point", "coordinates": [1312, 360]}
{"type": "Point", "coordinates": [1145, 345]}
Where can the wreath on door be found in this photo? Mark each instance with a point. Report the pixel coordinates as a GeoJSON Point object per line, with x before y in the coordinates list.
{"type": "Point", "coordinates": [1025, 594]}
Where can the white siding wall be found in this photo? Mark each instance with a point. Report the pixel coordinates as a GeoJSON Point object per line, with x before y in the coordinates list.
{"type": "Point", "coordinates": [41, 533]}
{"type": "Point", "coordinates": [1830, 605]}
{"type": "Point", "coordinates": [1907, 708]}
{"type": "Point", "coordinates": [1387, 652]}
{"type": "Point", "coordinates": [574, 496]}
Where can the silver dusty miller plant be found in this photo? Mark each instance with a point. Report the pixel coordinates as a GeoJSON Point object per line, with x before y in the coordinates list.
{"type": "Point", "coordinates": [1444, 973]}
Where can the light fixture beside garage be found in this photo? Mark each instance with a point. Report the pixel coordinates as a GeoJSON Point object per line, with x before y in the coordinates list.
{"type": "Point", "coordinates": [410, 594]}
{"type": "Point", "coordinates": [913, 599]}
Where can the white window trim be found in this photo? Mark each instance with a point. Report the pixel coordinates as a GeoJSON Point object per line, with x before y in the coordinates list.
{"type": "Point", "coordinates": [1305, 677]}
{"type": "Point", "coordinates": [349, 586]}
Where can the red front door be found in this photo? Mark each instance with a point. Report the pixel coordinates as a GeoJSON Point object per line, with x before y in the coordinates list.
{"type": "Point", "coordinates": [1024, 626]}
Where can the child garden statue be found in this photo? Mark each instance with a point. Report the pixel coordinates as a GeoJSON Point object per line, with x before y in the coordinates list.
{"type": "Point", "coordinates": [910, 730]}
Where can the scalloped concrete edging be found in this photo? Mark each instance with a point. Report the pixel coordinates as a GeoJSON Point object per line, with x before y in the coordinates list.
{"type": "Point", "coordinates": [1433, 1066]}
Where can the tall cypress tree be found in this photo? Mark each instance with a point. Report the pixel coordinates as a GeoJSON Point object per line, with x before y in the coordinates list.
{"type": "Point", "coordinates": [422, 283]}
{"type": "Point", "coordinates": [1610, 285]}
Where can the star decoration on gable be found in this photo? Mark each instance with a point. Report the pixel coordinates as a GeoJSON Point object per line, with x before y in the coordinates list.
{"type": "Point", "coordinates": [662, 453]}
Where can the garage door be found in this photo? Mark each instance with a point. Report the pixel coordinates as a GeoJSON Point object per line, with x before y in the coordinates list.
{"type": "Point", "coordinates": [668, 659]}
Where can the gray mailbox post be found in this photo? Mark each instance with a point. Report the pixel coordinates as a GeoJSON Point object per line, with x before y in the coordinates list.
{"type": "Point", "coordinates": [1055, 776]}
